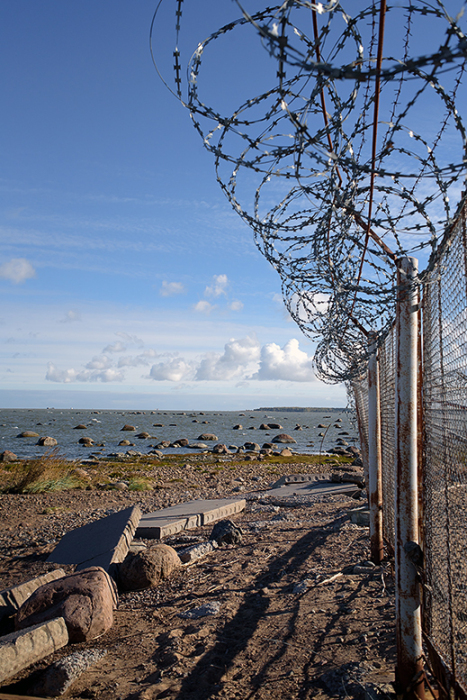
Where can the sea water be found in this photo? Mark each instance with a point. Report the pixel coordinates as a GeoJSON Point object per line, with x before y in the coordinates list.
{"type": "Point", "coordinates": [105, 427]}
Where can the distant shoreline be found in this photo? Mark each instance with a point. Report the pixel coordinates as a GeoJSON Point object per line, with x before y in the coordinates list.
{"type": "Point", "coordinates": [301, 409]}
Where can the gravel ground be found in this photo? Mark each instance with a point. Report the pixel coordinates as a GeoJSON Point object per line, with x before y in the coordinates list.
{"type": "Point", "coordinates": [291, 617]}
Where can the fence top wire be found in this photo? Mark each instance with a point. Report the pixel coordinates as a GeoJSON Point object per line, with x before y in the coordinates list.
{"type": "Point", "coordinates": [337, 137]}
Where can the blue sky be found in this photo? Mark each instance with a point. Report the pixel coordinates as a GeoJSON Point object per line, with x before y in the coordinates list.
{"type": "Point", "coordinates": [126, 279]}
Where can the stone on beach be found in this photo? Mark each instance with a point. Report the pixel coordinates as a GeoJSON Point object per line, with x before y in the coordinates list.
{"type": "Point", "coordinates": [8, 456]}
{"type": "Point", "coordinates": [85, 601]}
{"type": "Point", "coordinates": [148, 567]}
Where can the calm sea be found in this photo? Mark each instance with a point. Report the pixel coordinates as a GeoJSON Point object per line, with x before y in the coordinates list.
{"type": "Point", "coordinates": [106, 427]}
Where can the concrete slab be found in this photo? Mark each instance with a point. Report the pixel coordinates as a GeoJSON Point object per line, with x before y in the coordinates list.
{"type": "Point", "coordinates": [102, 543]}
{"type": "Point", "coordinates": [313, 488]}
{"type": "Point", "coordinates": [21, 649]}
{"type": "Point", "coordinates": [11, 599]}
{"type": "Point", "coordinates": [299, 478]}
{"type": "Point", "coordinates": [186, 516]}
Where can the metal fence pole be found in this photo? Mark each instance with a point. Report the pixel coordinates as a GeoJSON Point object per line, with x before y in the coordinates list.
{"type": "Point", "coordinates": [409, 672]}
{"type": "Point", "coordinates": [374, 456]}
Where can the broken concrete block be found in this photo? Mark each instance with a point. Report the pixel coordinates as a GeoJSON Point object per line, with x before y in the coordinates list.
{"type": "Point", "coordinates": [21, 649]}
{"type": "Point", "coordinates": [58, 677]}
{"type": "Point", "coordinates": [85, 601]}
{"type": "Point", "coordinates": [185, 516]}
{"type": "Point", "coordinates": [191, 554]}
{"type": "Point", "coordinates": [102, 543]}
{"type": "Point", "coordinates": [148, 567]}
{"type": "Point", "coordinates": [11, 599]}
{"type": "Point", "coordinates": [226, 532]}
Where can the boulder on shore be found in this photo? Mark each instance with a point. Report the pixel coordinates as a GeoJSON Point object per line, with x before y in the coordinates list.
{"type": "Point", "coordinates": [148, 567]}
{"type": "Point", "coordinates": [8, 456]}
{"type": "Point", "coordinates": [208, 436]}
{"type": "Point", "coordinates": [85, 600]}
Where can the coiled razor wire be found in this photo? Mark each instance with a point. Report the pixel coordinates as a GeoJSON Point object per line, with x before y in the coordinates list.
{"type": "Point", "coordinates": [341, 144]}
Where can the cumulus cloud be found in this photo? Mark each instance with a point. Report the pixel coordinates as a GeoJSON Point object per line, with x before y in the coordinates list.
{"type": "Point", "coordinates": [169, 289]}
{"type": "Point", "coordinates": [236, 306]}
{"type": "Point", "coordinates": [115, 347]}
{"type": "Point", "coordinates": [237, 356]}
{"type": "Point", "coordinates": [203, 307]}
{"type": "Point", "coordinates": [145, 358]}
{"type": "Point", "coordinates": [218, 287]}
{"type": "Point", "coordinates": [17, 270]}
{"type": "Point", "coordinates": [71, 316]}
{"type": "Point", "coordinates": [130, 339]}
{"type": "Point", "coordinates": [175, 370]}
{"type": "Point", "coordinates": [288, 363]}
{"type": "Point", "coordinates": [87, 375]}
{"type": "Point", "coordinates": [99, 362]}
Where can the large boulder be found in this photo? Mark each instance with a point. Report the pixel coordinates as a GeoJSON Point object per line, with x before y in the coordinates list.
{"type": "Point", "coordinates": [182, 442]}
{"type": "Point", "coordinates": [8, 456]}
{"type": "Point", "coordinates": [207, 436]}
{"type": "Point", "coordinates": [252, 446]}
{"type": "Point", "coordinates": [148, 567]}
{"type": "Point", "coordinates": [283, 438]}
{"type": "Point", "coordinates": [85, 600]}
{"type": "Point", "coordinates": [220, 449]}
{"type": "Point", "coordinates": [86, 441]}
{"type": "Point", "coordinates": [47, 442]}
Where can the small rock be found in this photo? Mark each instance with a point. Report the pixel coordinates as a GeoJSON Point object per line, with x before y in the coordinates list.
{"type": "Point", "coordinates": [212, 608]}
{"type": "Point", "coordinates": [226, 532]}
{"type": "Point", "coordinates": [128, 428]}
{"type": "Point", "coordinates": [81, 426]}
{"type": "Point", "coordinates": [86, 441]}
{"type": "Point", "coordinates": [221, 449]}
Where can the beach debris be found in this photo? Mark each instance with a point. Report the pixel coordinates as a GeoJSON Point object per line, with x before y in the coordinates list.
{"type": "Point", "coordinates": [11, 599]}
{"type": "Point", "coordinates": [197, 551]}
{"type": "Point", "coordinates": [146, 568]}
{"type": "Point", "coordinates": [85, 601]}
{"type": "Point", "coordinates": [59, 676]}
{"type": "Point", "coordinates": [212, 608]}
{"type": "Point", "coordinates": [22, 648]}
{"type": "Point", "coordinates": [186, 516]}
{"type": "Point", "coordinates": [103, 543]}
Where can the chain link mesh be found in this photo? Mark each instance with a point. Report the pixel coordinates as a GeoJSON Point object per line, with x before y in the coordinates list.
{"type": "Point", "coordinates": [445, 452]}
{"type": "Point", "coordinates": [387, 392]}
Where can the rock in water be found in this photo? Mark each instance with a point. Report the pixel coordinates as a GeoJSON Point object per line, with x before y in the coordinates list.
{"type": "Point", "coordinates": [283, 437]}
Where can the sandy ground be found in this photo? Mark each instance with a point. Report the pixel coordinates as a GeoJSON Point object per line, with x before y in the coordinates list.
{"type": "Point", "coordinates": [294, 620]}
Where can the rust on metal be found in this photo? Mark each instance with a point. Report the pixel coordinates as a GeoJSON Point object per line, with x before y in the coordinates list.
{"type": "Point", "coordinates": [409, 670]}
{"type": "Point", "coordinates": [375, 488]}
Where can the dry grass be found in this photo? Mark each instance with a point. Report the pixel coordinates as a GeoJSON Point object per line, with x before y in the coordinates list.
{"type": "Point", "coordinates": [48, 473]}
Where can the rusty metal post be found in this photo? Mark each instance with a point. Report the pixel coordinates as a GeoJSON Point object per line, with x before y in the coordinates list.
{"type": "Point", "coordinates": [409, 672]}
{"type": "Point", "coordinates": [375, 489]}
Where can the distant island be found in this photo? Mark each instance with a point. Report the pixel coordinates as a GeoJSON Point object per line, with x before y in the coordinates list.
{"type": "Point", "coordinates": [301, 409]}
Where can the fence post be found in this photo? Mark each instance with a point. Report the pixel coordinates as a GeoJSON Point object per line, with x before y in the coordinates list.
{"type": "Point", "coordinates": [374, 455]}
{"type": "Point", "coordinates": [409, 671]}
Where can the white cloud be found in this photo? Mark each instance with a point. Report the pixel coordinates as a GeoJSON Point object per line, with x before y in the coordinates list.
{"type": "Point", "coordinates": [115, 347]}
{"type": "Point", "coordinates": [168, 289]}
{"type": "Point", "coordinates": [288, 363]}
{"type": "Point", "coordinates": [203, 307]}
{"type": "Point", "coordinates": [66, 376]}
{"type": "Point", "coordinates": [17, 270]}
{"type": "Point", "coordinates": [238, 355]}
{"type": "Point", "coordinates": [219, 286]}
{"type": "Point", "coordinates": [99, 362]}
{"type": "Point", "coordinates": [145, 358]}
{"type": "Point", "coordinates": [130, 338]}
{"type": "Point", "coordinates": [236, 306]}
{"type": "Point", "coordinates": [71, 316]}
{"type": "Point", "coordinates": [175, 370]}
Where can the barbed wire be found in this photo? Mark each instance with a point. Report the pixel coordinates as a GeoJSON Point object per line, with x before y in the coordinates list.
{"type": "Point", "coordinates": [347, 158]}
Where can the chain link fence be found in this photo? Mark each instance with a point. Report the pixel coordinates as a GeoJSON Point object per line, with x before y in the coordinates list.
{"type": "Point", "coordinates": [443, 457]}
